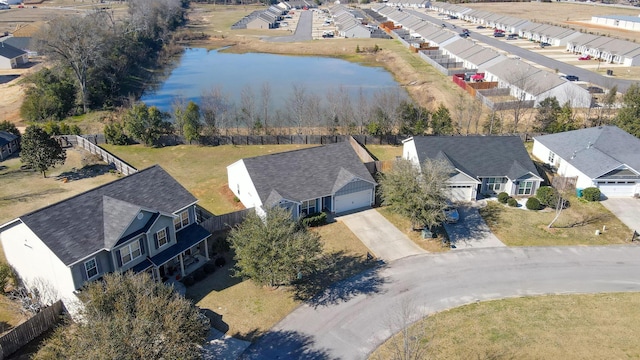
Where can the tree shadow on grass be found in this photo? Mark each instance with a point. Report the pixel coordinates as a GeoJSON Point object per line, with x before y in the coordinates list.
{"type": "Point", "coordinates": [85, 172]}
{"type": "Point", "coordinates": [491, 213]}
{"type": "Point", "coordinates": [279, 344]}
{"type": "Point", "coordinates": [340, 278]}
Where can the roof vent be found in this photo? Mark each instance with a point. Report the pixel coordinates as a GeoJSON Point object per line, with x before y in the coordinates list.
{"type": "Point", "coordinates": [574, 155]}
{"type": "Point", "coordinates": [589, 145]}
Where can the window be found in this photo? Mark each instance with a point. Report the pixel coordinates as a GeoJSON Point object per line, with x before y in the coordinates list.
{"type": "Point", "coordinates": [91, 267]}
{"type": "Point", "coordinates": [162, 237]}
{"type": "Point", "coordinates": [495, 184]}
{"type": "Point", "coordinates": [308, 207]}
{"type": "Point", "coordinates": [525, 188]}
{"type": "Point", "coordinates": [130, 252]}
{"type": "Point", "coordinates": [552, 157]}
{"type": "Point", "coordinates": [182, 220]}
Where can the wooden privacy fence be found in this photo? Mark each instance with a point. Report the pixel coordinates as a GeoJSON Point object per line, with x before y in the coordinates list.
{"type": "Point", "coordinates": [379, 166]}
{"type": "Point", "coordinates": [108, 157]}
{"type": "Point", "coordinates": [30, 329]}
{"type": "Point", "coordinates": [225, 221]}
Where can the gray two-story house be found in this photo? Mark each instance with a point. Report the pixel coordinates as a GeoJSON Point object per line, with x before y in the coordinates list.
{"type": "Point", "coordinates": [144, 222]}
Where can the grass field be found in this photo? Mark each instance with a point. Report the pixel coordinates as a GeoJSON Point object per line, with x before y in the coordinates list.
{"type": "Point", "coordinates": [200, 169]}
{"type": "Point", "coordinates": [25, 191]}
{"type": "Point", "coordinates": [575, 226]}
{"type": "Point", "coordinates": [246, 310]}
{"type": "Point", "coordinates": [601, 326]}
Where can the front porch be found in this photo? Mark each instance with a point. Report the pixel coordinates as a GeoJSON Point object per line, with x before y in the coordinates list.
{"type": "Point", "coordinates": [188, 254]}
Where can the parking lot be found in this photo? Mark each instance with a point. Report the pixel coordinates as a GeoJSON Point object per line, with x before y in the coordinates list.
{"type": "Point", "coordinates": [558, 53]}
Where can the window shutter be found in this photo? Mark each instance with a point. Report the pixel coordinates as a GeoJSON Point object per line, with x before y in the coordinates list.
{"type": "Point", "coordinates": [142, 245]}
{"type": "Point", "coordinates": [155, 240]}
{"type": "Point", "coordinates": [168, 237]}
{"type": "Point", "coordinates": [84, 272]}
{"type": "Point", "coordinates": [118, 258]}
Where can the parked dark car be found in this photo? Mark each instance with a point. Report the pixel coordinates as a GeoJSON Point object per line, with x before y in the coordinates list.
{"type": "Point", "coordinates": [480, 27]}
{"type": "Point", "coordinates": [595, 90]}
{"type": "Point", "coordinates": [498, 34]}
{"type": "Point", "coordinates": [544, 44]}
{"type": "Point", "coordinates": [572, 78]}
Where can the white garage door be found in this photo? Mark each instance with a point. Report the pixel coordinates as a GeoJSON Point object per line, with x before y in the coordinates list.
{"type": "Point", "coordinates": [617, 189]}
{"type": "Point", "coordinates": [352, 201]}
{"type": "Point", "coordinates": [461, 193]}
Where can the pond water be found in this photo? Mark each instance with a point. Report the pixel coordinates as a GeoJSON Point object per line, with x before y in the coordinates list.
{"type": "Point", "coordinates": [200, 70]}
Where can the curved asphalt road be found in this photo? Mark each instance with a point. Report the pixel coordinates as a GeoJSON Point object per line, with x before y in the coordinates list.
{"type": "Point", "coordinates": [351, 319]}
{"type": "Point", "coordinates": [583, 74]}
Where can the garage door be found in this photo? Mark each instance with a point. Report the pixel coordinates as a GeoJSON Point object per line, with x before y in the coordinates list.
{"type": "Point", "coordinates": [353, 201]}
{"type": "Point", "coordinates": [617, 189]}
{"type": "Point", "coordinates": [461, 193]}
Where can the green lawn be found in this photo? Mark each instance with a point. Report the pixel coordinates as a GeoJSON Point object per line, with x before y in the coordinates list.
{"type": "Point", "coordinates": [385, 152]}
{"type": "Point", "coordinates": [200, 169]}
{"type": "Point", "coordinates": [247, 310]}
{"type": "Point", "coordinates": [576, 225]}
{"type": "Point", "coordinates": [601, 326]}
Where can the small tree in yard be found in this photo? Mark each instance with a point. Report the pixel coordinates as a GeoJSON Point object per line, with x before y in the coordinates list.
{"type": "Point", "coordinates": [130, 316]}
{"type": "Point", "coordinates": [418, 194]}
{"type": "Point", "coordinates": [9, 127]}
{"type": "Point", "coordinates": [591, 194]}
{"type": "Point", "coordinates": [145, 124]}
{"type": "Point", "coordinates": [40, 151]}
{"type": "Point", "coordinates": [275, 249]}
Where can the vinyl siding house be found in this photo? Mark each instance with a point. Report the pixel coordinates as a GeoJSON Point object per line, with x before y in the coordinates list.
{"type": "Point", "coordinates": [11, 57]}
{"type": "Point", "coordinates": [605, 157]}
{"type": "Point", "coordinates": [144, 222]}
{"type": "Point", "coordinates": [483, 165]}
{"type": "Point", "coordinates": [330, 177]}
{"type": "Point", "coordinates": [530, 83]}
{"type": "Point", "coordinates": [9, 144]}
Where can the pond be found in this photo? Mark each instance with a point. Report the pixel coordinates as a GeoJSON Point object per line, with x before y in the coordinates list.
{"type": "Point", "coordinates": [201, 70]}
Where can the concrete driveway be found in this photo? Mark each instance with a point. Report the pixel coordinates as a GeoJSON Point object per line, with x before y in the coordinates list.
{"type": "Point", "coordinates": [384, 240]}
{"type": "Point", "coordinates": [471, 231]}
{"type": "Point", "coordinates": [625, 209]}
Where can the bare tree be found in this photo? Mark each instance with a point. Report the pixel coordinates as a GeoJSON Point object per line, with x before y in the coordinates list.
{"type": "Point", "coordinates": [296, 104]}
{"type": "Point", "coordinates": [562, 186]}
{"type": "Point", "coordinates": [460, 111]}
{"type": "Point", "coordinates": [178, 106]}
{"type": "Point", "coordinates": [474, 111]}
{"type": "Point", "coordinates": [265, 93]}
{"type": "Point", "coordinates": [313, 112]}
{"type": "Point", "coordinates": [362, 112]}
{"type": "Point", "coordinates": [346, 112]}
{"type": "Point", "coordinates": [215, 108]}
{"type": "Point", "coordinates": [523, 86]}
{"type": "Point", "coordinates": [410, 342]}
{"type": "Point", "coordinates": [79, 43]}
{"type": "Point", "coordinates": [248, 111]}
{"type": "Point", "coordinates": [332, 122]}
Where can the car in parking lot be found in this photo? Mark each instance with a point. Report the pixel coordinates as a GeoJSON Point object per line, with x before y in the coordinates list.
{"type": "Point", "coordinates": [544, 44]}
{"type": "Point", "coordinates": [571, 78]}
{"type": "Point", "coordinates": [451, 215]}
{"type": "Point", "coordinates": [480, 27]}
{"type": "Point", "coordinates": [498, 34]}
{"type": "Point", "coordinates": [585, 57]}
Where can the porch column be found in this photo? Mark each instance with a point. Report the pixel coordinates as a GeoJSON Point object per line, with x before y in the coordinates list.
{"type": "Point", "coordinates": [181, 264]}
{"type": "Point", "coordinates": [206, 248]}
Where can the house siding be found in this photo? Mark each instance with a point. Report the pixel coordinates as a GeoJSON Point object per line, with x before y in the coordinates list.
{"type": "Point", "coordinates": [242, 186]}
{"type": "Point", "coordinates": [138, 224]}
{"type": "Point", "coordinates": [353, 187]}
{"type": "Point", "coordinates": [23, 249]}
{"type": "Point", "coordinates": [78, 272]}
{"type": "Point", "coordinates": [162, 222]}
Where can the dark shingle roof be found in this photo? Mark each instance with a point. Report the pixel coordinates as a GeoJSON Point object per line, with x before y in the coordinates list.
{"type": "Point", "coordinates": [595, 151]}
{"type": "Point", "coordinates": [6, 137]}
{"type": "Point", "coordinates": [9, 51]}
{"type": "Point", "coordinates": [79, 226]}
{"type": "Point", "coordinates": [23, 43]}
{"type": "Point", "coordinates": [305, 174]}
{"type": "Point", "coordinates": [479, 156]}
